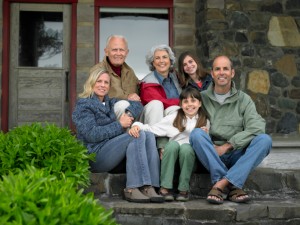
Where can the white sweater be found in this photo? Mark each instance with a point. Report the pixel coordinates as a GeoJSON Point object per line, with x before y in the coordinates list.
{"type": "Point", "coordinates": [165, 128]}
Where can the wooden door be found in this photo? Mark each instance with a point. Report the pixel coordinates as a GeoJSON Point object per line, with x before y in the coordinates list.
{"type": "Point", "coordinates": [39, 64]}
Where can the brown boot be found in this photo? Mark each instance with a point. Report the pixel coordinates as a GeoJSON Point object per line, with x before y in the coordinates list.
{"type": "Point", "coordinates": [135, 195]}
{"type": "Point", "coordinates": [151, 193]}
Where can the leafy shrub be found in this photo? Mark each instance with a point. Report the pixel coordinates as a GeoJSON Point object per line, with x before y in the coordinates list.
{"type": "Point", "coordinates": [31, 197]}
{"type": "Point", "coordinates": [50, 147]}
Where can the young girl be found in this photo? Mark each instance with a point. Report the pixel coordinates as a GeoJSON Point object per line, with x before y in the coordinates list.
{"type": "Point", "coordinates": [191, 72]}
{"type": "Point", "coordinates": [177, 127]}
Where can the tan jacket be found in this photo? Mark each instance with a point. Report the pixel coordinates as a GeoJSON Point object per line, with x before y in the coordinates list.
{"type": "Point", "coordinates": [122, 86]}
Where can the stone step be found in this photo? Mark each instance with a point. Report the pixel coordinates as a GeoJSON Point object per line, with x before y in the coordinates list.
{"type": "Point", "coordinates": [277, 176]}
{"type": "Point", "coordinates": [262, 183]}
{"type": "Point", "coordinates": [286, 141]}
{"type": "Point", "coordinates": [198, 211]}
{"type": "Point", "coordinates": [274, 187]}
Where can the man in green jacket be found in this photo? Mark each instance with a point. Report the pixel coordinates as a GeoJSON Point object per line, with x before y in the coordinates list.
{"type": "Point", "coordinates": [236, 143]}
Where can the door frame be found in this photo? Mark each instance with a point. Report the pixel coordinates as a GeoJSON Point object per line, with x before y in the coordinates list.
{"type": "Point", "coordinates": [6, 55]}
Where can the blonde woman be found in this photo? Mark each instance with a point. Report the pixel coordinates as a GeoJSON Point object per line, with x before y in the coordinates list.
{"type": "Point", "coordinates": [104, 134]}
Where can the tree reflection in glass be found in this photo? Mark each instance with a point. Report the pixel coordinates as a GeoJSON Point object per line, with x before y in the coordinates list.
{"type": "Point", "coordinates": [41, 39]}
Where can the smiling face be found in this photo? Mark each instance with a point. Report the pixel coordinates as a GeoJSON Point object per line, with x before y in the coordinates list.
{"type": "Point", "coordinates": [222, 73]}
{"type": "Point", "coordinates": [162, 62]}
{"type": "Point", "coordinates": [116, 51]}
{"type": "Point", "coordinates": [190, 106]}
{"type": "Point", "coordinates": [102, 85]}
{"type": "Point", "coordinates": [190, 67]}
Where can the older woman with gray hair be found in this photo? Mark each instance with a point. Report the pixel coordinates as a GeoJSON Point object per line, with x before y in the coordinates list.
{"type": "Point", "coordinates": [160, 89]}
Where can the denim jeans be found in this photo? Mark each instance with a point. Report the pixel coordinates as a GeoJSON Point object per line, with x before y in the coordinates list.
{"type": "Point", "coordinates": [236, 165]}
{"type": "Point", "coordinates": [142, 159]}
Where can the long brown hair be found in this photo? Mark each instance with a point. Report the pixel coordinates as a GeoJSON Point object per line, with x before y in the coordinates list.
{"type": "Point", "coordinates": [180, 120]}
{"type": "Point", "coordinates": [183, 77]}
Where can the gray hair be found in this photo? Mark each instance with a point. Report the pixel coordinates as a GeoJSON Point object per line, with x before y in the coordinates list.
{"type": "Point", "coordinates": [116, 36]}
{"type": "Point", "coordinates": [150, 55]}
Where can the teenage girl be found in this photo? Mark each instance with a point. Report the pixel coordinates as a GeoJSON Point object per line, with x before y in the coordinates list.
{"type": "Point", "coordinates": [191, 72]}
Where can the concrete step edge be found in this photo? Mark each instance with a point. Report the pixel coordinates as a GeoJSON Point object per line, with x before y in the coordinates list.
{"type": "Point", "coordinates": [261, 183]}
{"type": "Point", "coordinates": [200, 211]}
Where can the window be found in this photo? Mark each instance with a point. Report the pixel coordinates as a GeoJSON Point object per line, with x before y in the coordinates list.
{"type": "Point", "coordinates": [142, 28]}
{"type": "Point", "coordinates": [40, 41]}
{"type": "Point", "coordinates": [143, 23]}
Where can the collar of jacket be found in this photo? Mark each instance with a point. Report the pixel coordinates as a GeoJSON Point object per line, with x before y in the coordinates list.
{"type": "Point", "coordinates": [233, 93]}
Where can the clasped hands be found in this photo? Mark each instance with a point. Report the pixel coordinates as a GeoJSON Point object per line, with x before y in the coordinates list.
{"type": "Point", "coordinates": [223, 149]}
{"type": "Point", "coordinates": [126, 120]}
{"type": "Point", "coordinates": [134, 131]}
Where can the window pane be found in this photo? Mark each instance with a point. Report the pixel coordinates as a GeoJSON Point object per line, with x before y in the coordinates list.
{"type": "Point", "coordinates": [41, 39]}
{"type": "Point", "coordinates": [142, 30]}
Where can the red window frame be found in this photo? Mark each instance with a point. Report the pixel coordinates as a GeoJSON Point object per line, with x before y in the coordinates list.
{"type": "Point", "coordinates": [168, 4]}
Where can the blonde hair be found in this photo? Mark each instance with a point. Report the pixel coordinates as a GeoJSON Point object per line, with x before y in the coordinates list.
{"type": "Point", "coordinates": [88, 88]}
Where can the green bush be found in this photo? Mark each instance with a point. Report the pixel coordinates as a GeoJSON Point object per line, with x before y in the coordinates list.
{"type": "Point", "coordinates": [50, 147]}
{"type": "Point", "coordinates": [32, 197]}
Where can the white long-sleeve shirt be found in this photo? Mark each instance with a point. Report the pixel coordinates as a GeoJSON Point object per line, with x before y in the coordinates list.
{"type": "Point", "coordinates": [165, 128]}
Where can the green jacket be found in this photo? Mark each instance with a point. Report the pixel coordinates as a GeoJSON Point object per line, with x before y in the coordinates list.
{"type": "Point", "coordinates": [236, 121]}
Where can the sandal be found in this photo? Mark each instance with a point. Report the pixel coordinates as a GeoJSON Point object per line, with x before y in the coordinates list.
{"type": "Point", "coordinates": [235, 193]}
{"type": "Point", "coordinates": [215, 192]}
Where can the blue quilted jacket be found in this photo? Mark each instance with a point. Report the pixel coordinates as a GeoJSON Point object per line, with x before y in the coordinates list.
{"type": "Point", "coordinates": [96, 123]}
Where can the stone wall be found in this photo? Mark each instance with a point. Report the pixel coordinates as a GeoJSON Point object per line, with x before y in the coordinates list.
{"type": "Point", "coordinates": [85, 41]}
{"type": "Point", "coordinates": [184, 26]}
{"type": "Point", "coordinates": [262, 38]}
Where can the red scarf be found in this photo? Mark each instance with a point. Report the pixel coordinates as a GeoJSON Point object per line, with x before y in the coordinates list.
{"type": "Point", "coordinates": [117, 70]}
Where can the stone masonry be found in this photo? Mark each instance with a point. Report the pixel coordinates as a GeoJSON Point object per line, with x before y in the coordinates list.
{"type": "Point", "coordinates": [263, 40]}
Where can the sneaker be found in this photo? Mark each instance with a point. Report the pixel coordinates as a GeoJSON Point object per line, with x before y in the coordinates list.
{"type": "Point", "coordinates": [166, 194]}
{"type": "Point", "coordinates": [183, 196]}
{"type": "Point", "coordinates": [151, 193]}
{"type": "Point", "coordinates": [135, 195]}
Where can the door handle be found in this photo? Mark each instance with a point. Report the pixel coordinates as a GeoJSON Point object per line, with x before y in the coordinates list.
{"type": "Point", "coordinates": [67, 86]}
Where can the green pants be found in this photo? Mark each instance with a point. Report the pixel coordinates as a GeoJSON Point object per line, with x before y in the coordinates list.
{"type": "Point", "coordinates": [186, 156]}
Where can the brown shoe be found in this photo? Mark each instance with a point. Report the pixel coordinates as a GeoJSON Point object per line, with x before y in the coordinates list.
{"type": "Point", "coordinates": [183, 196]}
{"type": "Point", "coordinates": [151, 193]}
{"type": "Point", "coordinates": [134, 195]}
{"type": "Point", "coordinates": [169, 197]}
